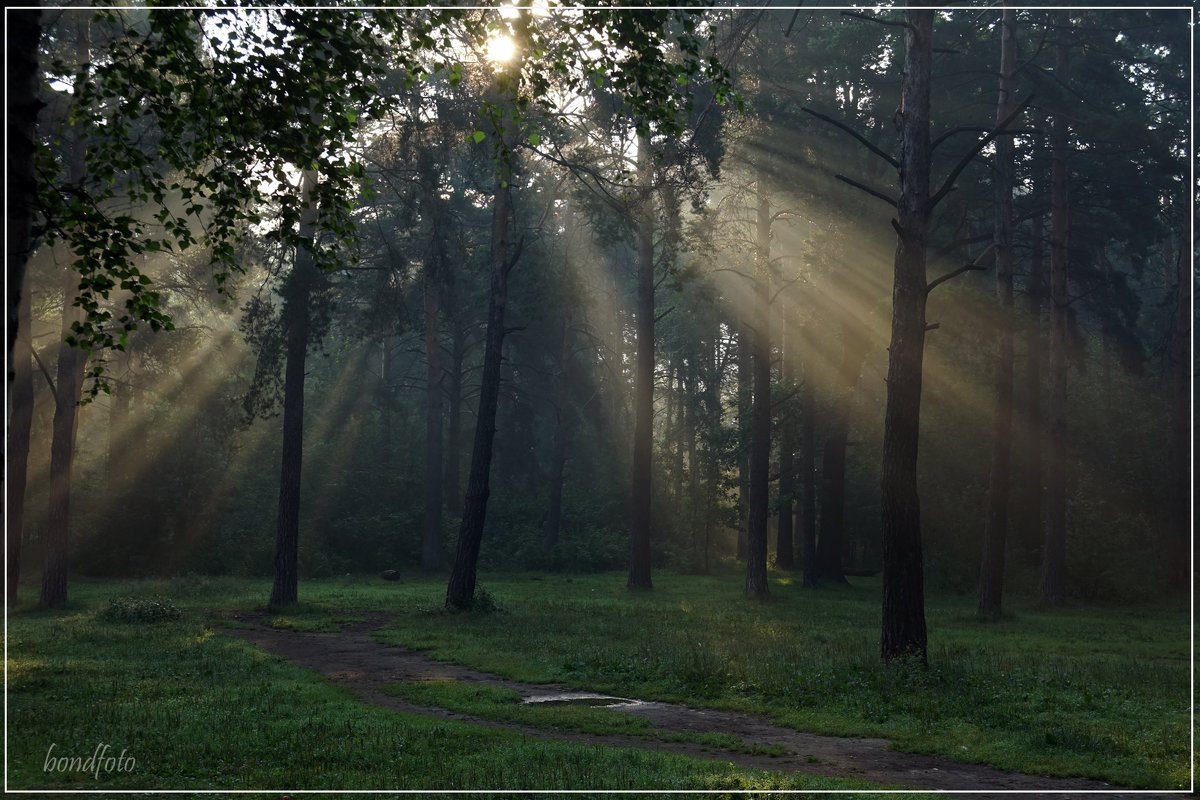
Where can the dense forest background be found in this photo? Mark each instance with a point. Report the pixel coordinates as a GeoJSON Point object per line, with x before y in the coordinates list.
{"type": "Point", "coordinates": [768, 232]}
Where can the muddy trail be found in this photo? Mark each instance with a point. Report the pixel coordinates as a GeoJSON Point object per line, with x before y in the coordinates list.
{"type": "Point", "coordinates": [355, 659]}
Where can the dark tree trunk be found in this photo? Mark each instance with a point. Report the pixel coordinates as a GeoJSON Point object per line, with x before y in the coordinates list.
{"type": "Point", "coordinates": [785, 556]}
{"type": "Point", "coordinates": [1054, 552]}
{"type": "Point", "coordinates": [297, 295]}
{"type": "Point", "coordinates": [458, 350]}
{"type": "Point", "coordinates": [24, 32]}
{"type": "Point", "coordinates": [460, 592]}
{"type": "Point", "coordinates": [68, 385]}
{"type": "Point", "coordinates": [808, 485]}
{"type": "Point", "coordinates": [558, 449]}
{"type": "Point", "coordinates": [431, 528]}
{"type": "Point", "coordinates": [903, 631]}
{"type": "Point", "coordinates": [1181, 418]}
{"type": "Point", "coordinates": [1033, 439]}
{"type": "Point", "coordinates": [643, 429]}
{"type": "Point", "coordinates": [68, 388]}
{"type": "Point", "coordinates": [696, 502]}
{"type": "Point", "coordinates": [995, 531]}
{"type": "Point", "coordinates": [760, 420]}
{"type": "Point", "coordinates": [832, 543]}
{"type": "Point", "coordinates": [116, 471]}
{"type": "Point", "coordinates": [19, 424]}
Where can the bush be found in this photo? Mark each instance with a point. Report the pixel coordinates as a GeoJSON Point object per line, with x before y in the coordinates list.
{"type": "Point", "coordinates": [130, 609]}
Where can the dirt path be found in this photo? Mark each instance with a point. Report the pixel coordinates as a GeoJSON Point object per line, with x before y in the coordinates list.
{"type": "Point", "coordinates": [353, 658]}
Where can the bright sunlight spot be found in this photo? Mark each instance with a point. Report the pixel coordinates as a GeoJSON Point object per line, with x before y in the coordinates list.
{"type": "Point", "coordinates": [501, 49]}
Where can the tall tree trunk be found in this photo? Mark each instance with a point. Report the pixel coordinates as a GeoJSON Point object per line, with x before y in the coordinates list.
{"type": "Point", "coordinates": [68, 388]}
{"type": "Point", "coordinates": [696, 503]}
{"type": "Point", "coordinates": [995, 531]}
{"type": "Point", "coordinates": [785, 556]}
{"type": "Point", "coordinates": [1034, 443]}
{"type": "Point", "coordinates": [431, 528]}
{"type": "Point", "coordinates": [760, 420]}
{"type": "Point", "coordinates": [296, 323]}
{"type": "Point", "coordinates": [460, 591]}
{"type": "Point", "coordinates": [1054, 552]}
{"type": "Point", "coordinates": [1181, 417]}
{"type": "Point", "coordinates": [24, 32]}
{"type": "Point", "coordinates": [808, 483]}
{"type": "Point", "coordinates": [558, 449]}
{"type": "Point", "coordinates": [19, 424]}
{"type": "Point", "coordinates": [643, 429]}
{"type": "Point", "coordinates": [831, 544]}
{"type": "Point", "coordinates": [745, 402]}
{"type": "Point", "coordinates": [903, 626]}
{"type": "Point", "coordinates": [458, 350]}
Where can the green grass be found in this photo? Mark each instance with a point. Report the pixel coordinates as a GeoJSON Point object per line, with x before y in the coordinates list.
{"type": "Point", "coordinates": [504, 705]}
{"type": "Point", "coordinates": [1087, 691]}
{"type": "Point", "coordinates": [1090, 691]}
{"type": "Point", "coordinates": [201, 710]}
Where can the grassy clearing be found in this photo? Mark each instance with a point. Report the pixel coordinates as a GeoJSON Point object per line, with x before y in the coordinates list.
{"type": "Point", "coordinates": [196, 709]}
{"type": "Point", "coordinates": [1087, 691]}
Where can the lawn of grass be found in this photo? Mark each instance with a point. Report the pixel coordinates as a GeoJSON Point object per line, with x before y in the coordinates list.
{"type": "Point", "coordinates": [196, 709]}
{"type": "Point", "coordinates": [1086, 691]}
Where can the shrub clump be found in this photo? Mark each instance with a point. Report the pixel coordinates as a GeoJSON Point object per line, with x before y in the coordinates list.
{"type": "Point", "coordinates": [131, 609]}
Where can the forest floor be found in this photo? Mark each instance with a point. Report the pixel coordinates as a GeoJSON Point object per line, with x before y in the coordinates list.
{"type": "Point", "coordinates": [354, 658]}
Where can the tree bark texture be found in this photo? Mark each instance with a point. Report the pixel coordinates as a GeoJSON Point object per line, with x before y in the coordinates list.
{"type": "Point", "coordinates": [68, 388]}
{"type": "Point", "coordinates": [296, 323]}
{"type": "Point", "coordinates": [24, 32]}
{"type": "Point", "coordinates": [643, 429]}
{"type": "Point", "coordinates": [558, 448]}
{"type": "Point", "coordinates": [1033, 439]}
{"type": "Point", "coordinates": [995, 531]}
{"type": "Point", "coordinates": [785, 554]}
{"type": "Point", "coordinates": [760, 414]}
{"type": "Point", "coordinates": [460, 592]}
{"type": "Point", "coordinates": [431, 527]}
{"type": "Point", "coordinates": [808, 485]}
{"type": "Point", "coordinates": [1054, 551]}
{"type": "Point", "coordinates": [831, 543]}
{"type": "Point", "coordinates": [903, 633]}
{"type": "Point", "coordinates": [20, 422]}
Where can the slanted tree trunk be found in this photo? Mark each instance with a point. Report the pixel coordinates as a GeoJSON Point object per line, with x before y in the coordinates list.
{"type": "Point", "coordinates": [760, 419]}
{"type": "Point", "coordinates": [431, 527]}
{"type": "Point", "coordinates": [297, 294]}
{"type": "Point", "coordinates": [19, 424]}
{"type": "Point", "coordinates": [995, 531]}
{"type": "Point", "coordinates": [460, 591]}
{"type": "Point", "coordinates": [643, 428]}
{"type": "Point", "coordinates": [903, 633]}
{"type": "Point", "coordinates": [1054, 552]}
{"type": "Point", "coordinates": [23, 29]}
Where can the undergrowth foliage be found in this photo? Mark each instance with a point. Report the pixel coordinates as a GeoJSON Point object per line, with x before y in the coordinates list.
{"type": "Point", "coordinates": [140, 610]}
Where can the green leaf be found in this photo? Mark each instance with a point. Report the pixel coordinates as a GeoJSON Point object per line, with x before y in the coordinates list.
{"type": "Point", "coordinates": [478, 136]}
{"type": "Point", "coordinates": [534, 139]}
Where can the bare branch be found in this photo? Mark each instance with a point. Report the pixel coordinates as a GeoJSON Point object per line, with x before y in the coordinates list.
{"type": "Point", "coordinates": [861, 139]}
{"type": "Point", "coordinates": [974, 151]}
{"type": "Point", "coordinates": [876, 20]}
{"type": "Point", "coordinates": [974, 266]}
{"type": "Point", "coordinates": [868, 190]}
